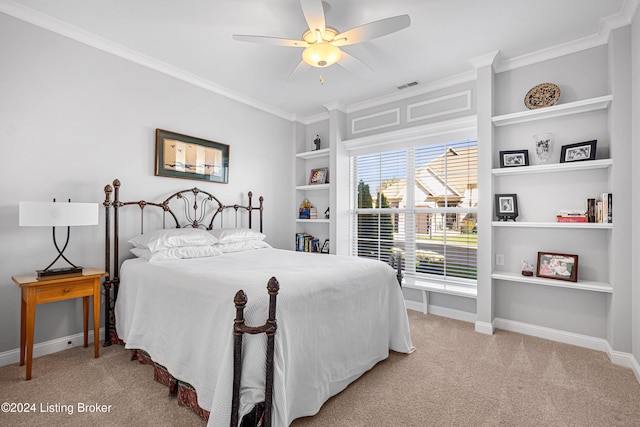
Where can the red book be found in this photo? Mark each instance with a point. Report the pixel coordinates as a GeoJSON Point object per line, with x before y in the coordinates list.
{"type": "Point", "coordinates": [581, 218]}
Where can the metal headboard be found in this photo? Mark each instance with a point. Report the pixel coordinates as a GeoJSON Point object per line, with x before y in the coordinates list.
{"type": "Point", "coordinates": [195, 206]}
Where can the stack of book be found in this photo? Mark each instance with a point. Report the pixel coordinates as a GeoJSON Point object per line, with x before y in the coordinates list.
{"type": "Point", "coordinates": [572, 216]}
{"type": "Point", "coordinates": [308, 213]}
{"type": "Point", "coordinates": [307, 243]}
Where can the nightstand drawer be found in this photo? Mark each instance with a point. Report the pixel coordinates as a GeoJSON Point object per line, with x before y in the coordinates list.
{"type": "Point", "coordinates": [64, 291]}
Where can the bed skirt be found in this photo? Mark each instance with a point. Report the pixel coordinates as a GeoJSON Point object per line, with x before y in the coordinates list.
{"type": "Point", "coordinates": [185, 393]}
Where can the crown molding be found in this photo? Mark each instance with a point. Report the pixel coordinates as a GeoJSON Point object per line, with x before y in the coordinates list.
{"type": "Point", "coordinates": [57, 26]}
{"type": "Point", "coordinates": [335, 106]}
{"type": "Point", "coordinates": [607, 24]}
{"type": "Point", "coordinates": [488, 59]}
{"type": "Point", "coordinates": [307, 120]}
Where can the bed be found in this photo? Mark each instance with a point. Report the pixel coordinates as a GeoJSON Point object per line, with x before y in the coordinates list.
{"type": "Point", "coordinates": [336, 316]}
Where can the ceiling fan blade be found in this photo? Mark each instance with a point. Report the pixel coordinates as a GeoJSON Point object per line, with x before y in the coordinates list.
{"type": "Point", "coordinates": [314, 15]}
{"type": "Point", "coordinates": [353, 64]}
{"type": "Point", "coordinates": [301, 67]}
{"type": "Point", "coordinates": [372, 30]}
{"type": "Point", "coordinates": [276, 41]}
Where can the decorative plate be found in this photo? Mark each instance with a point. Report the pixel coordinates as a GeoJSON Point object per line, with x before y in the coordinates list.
{"type": "Point", "coordinates": [543, 95]}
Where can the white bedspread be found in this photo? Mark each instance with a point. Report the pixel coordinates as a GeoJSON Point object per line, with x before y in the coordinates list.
{"type": "Point", "coordinates": [337, 317]}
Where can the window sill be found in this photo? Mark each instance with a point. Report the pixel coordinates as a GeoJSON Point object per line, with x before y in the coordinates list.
{"type": "Point", "coordinates": [442, 288]}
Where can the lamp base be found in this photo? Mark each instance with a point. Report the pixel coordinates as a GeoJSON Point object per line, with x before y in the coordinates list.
{"type": "Point", "coordinates": [56, 272]}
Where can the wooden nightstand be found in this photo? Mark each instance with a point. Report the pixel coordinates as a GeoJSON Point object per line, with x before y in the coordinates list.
{"type": "Point", "coordinates": [36, 292]}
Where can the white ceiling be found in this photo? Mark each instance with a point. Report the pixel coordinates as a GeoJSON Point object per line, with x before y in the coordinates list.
{"type": "Point", "coordinates": [195, 36]}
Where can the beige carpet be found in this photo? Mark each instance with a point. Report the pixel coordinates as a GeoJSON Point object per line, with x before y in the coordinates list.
{"type": "Point", "coordinates": [456, 377]}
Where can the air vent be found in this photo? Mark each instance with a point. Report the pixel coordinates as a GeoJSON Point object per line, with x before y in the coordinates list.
{"type": "Point", "coordinates": [404, 86]}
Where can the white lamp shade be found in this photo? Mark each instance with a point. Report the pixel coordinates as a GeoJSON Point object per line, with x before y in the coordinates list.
{"type": "Point", "coordinates": [57, 214]}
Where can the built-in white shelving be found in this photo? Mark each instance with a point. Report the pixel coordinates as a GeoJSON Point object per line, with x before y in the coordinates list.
{"type": "Point", "coordinates": [313, 187]}
{"type": "Point", "coordinates": [568, 225]}
{"type": "Point", "coordinates": [546, 228]}
{"type": "Point", "coordinates": [319, 195]}
{"type": "Point", "coordinates": [555, 167]}
{"type": "Point", "coordinates": [317, 221]}
{"type": "Point", "coordinates": [584, 106]}
{"type": "Point", "coordinates": [313, 154]}
{"type": "Point", "coordinates": [586, 285]}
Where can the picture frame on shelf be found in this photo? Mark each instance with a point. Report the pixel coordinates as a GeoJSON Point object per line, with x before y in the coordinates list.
{"type": "Point", "coordinates": [557, 266]}
{"type": "Point", "coordinates": [318, 176]}
{"type": "Point", "coordinates": [580, 151]}
{"type": "Point", "coordinates": [514, 158]}
{"type": "Point", "coordinates": [506, 207]}
{"type": "Point", "coordinates": [183, 156]}
{"type": "Point", "coordinates": [325, 247]}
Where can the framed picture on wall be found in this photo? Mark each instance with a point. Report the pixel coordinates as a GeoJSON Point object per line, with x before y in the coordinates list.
{"type": "Point", "coordinates": [557, 266]}
{"type": "Point", "coordinates": [182, 156]}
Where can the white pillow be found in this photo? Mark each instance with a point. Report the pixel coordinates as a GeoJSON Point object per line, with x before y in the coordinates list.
{"type": "Point", "coordinates": [183, 252]}
{"type": "Point", "coordinates": [247, 245]}
{"type": "Point", "coordinates": [173, 237]}
{"type": "Point", "coordinates": [229, 235]}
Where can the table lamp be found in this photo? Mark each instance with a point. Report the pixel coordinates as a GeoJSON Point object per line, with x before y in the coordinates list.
{"type": "Point", "coordinates": [52, 214]}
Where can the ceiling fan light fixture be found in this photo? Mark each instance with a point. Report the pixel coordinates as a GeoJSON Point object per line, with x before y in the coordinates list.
{"type": "Point", "coordinates": [321, 55]}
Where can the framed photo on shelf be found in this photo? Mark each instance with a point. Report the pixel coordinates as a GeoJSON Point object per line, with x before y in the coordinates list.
{"type": "Point", "coordinates": [578, 152]}
{"type": "Point", "coordinates": [557, 266]}
{"type": "Point", "coordinates": [325, 247]}
{"type": "Point", "coordinates": [319, 176]}
{"type": "Point", "coordinates": [506, 206]}
{"type": "Point", "coordinates": [514, 158]}
{"type": "Point", "coordinates": [182, 156]}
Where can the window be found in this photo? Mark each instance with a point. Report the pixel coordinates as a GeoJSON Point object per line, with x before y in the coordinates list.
{"type": "Point", "coordinates": [420, 202]}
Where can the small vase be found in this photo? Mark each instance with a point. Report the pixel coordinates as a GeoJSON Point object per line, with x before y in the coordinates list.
{"type": "Point", "coordinates": [543, 146]}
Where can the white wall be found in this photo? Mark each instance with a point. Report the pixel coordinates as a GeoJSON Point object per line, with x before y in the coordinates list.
{"type": "Point", "coordinates": [73, 118]}
{"type": "Point", "coordinates": [635, 141]}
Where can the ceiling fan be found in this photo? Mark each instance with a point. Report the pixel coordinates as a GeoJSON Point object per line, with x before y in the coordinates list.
{"type": "Point", "coordinates": [322, 43]}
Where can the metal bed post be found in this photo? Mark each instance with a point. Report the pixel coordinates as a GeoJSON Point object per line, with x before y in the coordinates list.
{"type": "Point", "coordinates": [239, 329]}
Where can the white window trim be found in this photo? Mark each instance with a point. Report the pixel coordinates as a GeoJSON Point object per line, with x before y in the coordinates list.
{"type": "Point", "coordinates": [424, 282]}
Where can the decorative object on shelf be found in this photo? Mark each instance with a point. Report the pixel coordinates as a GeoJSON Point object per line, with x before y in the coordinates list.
{"type": "Point", "coordinates": [557, 266]}
{"type": "Point", "coordinates": [182, 156]}
{"type": "Point", "coordinates": [514, 158]}
{"type": "Point", "coordinates": [325, 247]}
{"type": "Point", "coordinates": [506, 207]}
{"type": "Point", "coordinates": [543, 146]}
{"type": "Point", "coordinates": [317, 142]}
{"type": "Point", "coordinates": [578, 152]}
{"type": "Point", "coordinates": [307, 211]}
{"type": "Point", "coordinates": [326, 214]}
{"type": "Point", "coordinates": [527, 269]}
{"type": "Point", "coordinates": [542, 95]}
{"type": "Point", "coordinates": [52, 214]}
{"type": "Point", "coordinates": [319, 176]}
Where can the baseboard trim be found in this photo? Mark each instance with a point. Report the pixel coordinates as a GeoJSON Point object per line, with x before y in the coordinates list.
{"type": "Point", "coordinates": [635, 367]}
{"type": "Point", "coordinates": [485, 327]}
{"type": "Point", "coordinates": [585, 341]}
{"type": "Point", "coordinates": [48, 347]}
{"type": "Point", "coordinates": [620, 358]}
{"type": "Point", "coordinates": [413, 305]}
{"type": "Point", "coordinates": [464, 316]}
{"type": "Point", "coordinates": [437, 310]}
